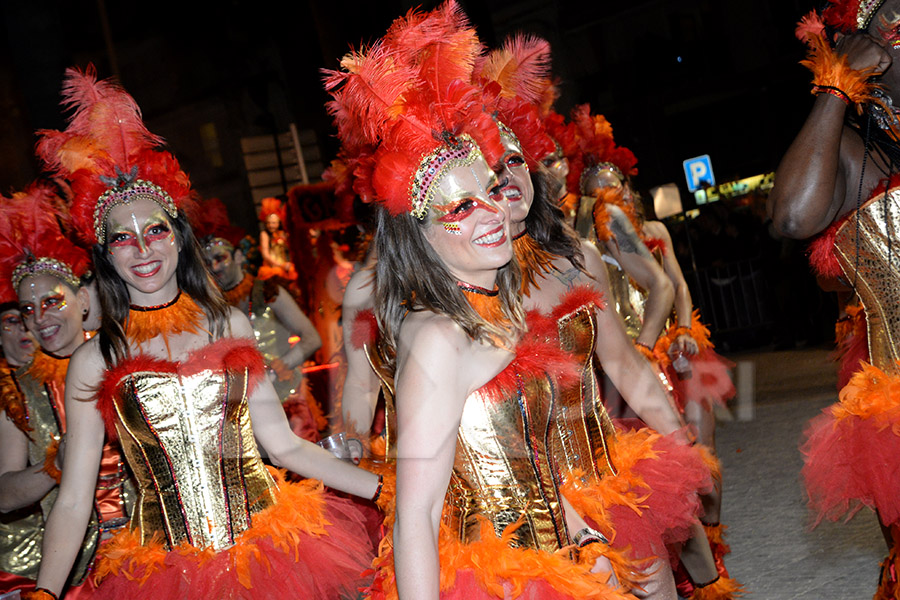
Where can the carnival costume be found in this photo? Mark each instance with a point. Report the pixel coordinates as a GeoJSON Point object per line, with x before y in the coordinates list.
{"type": "Point", "coordinates": [278, 242]}
{"type": "Point", "coordinates": [502, 532]}
{"type": "Point", "coordinates": [253, 296]}
{"type": "Point", "coordinates": [851, 448]}
{"type": "Point", "coordinates": [641, 485]}
{"type": "Point", "coordinates": [31, 244]}
{"type": "Point", "coordinates": [210, 521]}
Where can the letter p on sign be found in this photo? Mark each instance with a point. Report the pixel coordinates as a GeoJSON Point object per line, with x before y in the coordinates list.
{"type": "Point", "coordinates": [698, 172]}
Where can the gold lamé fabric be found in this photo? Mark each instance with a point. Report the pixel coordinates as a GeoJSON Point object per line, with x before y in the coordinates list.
{"type": "Point", "coordinates": [47, 421]}
{"type": "Point", "coordinates": [385, 375]}
{"type": "Point", "coordinates": [581, 429]}
{"type": "Point", "coordinates": [625, 297]}
{"type": "Point", "coordinates": [867, 246]}
{"type": "Point", "coordinates": [21, 533]}
{"type": "Point", "coordinates": [272, 340]}
{"type": "Point", "coordinates": [502, 470]}
{"type": "Point", "coordinates": [189, 442]}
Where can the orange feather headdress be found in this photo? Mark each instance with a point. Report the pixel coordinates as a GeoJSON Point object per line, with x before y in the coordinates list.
{"type": "Point", "coordinates": [212, 226]}
{"type": "Point", "coordinates": [410, 97]}
{"type": "Point", "coordinates": [514, 78]}
{"type": "Point", "coordinates": [32, 241]}
{"type": "Point", "coordinates": [596, 149]}
{"type": "Point", "coordinates": [108, 155]}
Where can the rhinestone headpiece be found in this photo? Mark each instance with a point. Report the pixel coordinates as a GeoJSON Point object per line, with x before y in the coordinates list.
{"type": "Point", "coordinates": [458, 151]}
{"type": "Point", "coordinates": [506, 132]}
{"type": "Point", "coordinates": [127, 188]}
{"type": "Point", "coordinates": [212, 242]}
{"type": "Point", "coordinates": [44, 266]}
{"type": "Point", "coordinates": [867, 10]}
{"type": "Point", "coordinates": [603, 166]}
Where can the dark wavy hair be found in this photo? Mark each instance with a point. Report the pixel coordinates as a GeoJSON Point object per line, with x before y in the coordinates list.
{"type": "Point", "coordinates": [410, 276]}
{"type": "Point", "coordinates": [546, 223]}
{"type": "Point", "coordinates": [194, 279]}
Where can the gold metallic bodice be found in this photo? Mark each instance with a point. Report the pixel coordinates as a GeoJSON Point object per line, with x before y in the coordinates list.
{"type": "Point", "coordinates": [626, 298]}
{"type": "Point", "coordinates": [21, 533]}
{"type": "Point", "coordinates": [47, 422]}
{"type": "Point", "coordinates": [386, 378]}
{"type": "Point", "coordinates": [502, 471]}
{"type": "Point", "coordinates": [189, 442]}
{"type": "Point", "coordinates": [272, 340]}
{"type": "Point", "coordinates": [580, 427]}
{"type": "Point", "coordinates": [876, 274]}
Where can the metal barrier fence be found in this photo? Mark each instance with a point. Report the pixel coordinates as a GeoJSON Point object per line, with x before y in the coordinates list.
{"type": "Point", "coordinates": [733, 297]}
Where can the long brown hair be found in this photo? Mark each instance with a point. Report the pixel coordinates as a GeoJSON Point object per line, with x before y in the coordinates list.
{"type": "Point", "coordinates": [193, 279]}
{"type": "Point", "coordinates": [546, 224]}
{"type": "Point", "coordinates": [410, 276]}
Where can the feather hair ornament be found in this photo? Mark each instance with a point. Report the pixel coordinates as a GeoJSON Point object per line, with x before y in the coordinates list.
{"type": "Point", "coordinates": [596, 147]}
{"type": "Point", "coordinates": [108, 155]}
{"type": "Point", "coordinates": [32, 242]}
{"type": "Point", "coordinates": [513, 77]}
{"type": "Point", "coordinates": [849, 16]}
{"type": "Point", "coordinates": [409, 96]}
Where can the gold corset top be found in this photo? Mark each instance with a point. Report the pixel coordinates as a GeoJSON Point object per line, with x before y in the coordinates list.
{"type": "Point", "coordinates": [627, 300]}
{"type": "Point", "coordinates": [501, 471]}
{"type": "Point", "coordinates": [272, 340]}
{"type": "Point", "coordinates": [581, 429]}
{"type": "Point", "coordinates": [185, 430]}
{"type": "Point", "coordinates": [877, 272]}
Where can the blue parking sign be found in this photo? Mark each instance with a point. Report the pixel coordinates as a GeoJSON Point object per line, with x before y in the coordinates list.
{"type": "Point", "coordinates": [698, 172]}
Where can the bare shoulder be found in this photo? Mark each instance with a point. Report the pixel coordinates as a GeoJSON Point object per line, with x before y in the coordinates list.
{"type": "Point", "coordinates": [360, 288]}
{"type": "Point", "coordinates": [86, 369]}
{"type": "Point", "coordinates": [658, 229]}
{"type": "Point", "coordinates": [239, 324]}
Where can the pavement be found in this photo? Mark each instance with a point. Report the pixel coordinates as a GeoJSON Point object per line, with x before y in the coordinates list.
{"type": "Point", "coordinates": [776, 554]}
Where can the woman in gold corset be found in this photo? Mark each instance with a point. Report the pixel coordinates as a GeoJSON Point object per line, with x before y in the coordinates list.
{"type": "Point", "coordinates": [840, 178]}
{"type": "Point", "coordinates": [175, 374]}
{"type": "Point", "coordinates": [479, 513]}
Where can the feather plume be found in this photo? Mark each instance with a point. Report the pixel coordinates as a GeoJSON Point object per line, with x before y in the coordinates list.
{"type": "Point", "coordinates": [521, 67]}
{"type": "Point", "coordinates": [810, 24]}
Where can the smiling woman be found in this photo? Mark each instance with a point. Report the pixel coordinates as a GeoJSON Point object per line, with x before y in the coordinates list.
{"type": "Point", "coordinates": [476, 513]}
{"type": "Point", "coordinates": [170, 354]}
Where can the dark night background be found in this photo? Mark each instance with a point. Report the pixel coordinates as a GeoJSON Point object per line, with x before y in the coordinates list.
{"type": "Point", "coordinates": [675, 79]}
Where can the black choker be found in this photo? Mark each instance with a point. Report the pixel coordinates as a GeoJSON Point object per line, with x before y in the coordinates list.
{"type": "Point", "coordinates": [56, 356]}
{"type": "Point", "coordinates": [468, 287]}
{"type": "Point", "coordinates": [520, 235]}
{"type": "Point", "coordinates": [157, 307]}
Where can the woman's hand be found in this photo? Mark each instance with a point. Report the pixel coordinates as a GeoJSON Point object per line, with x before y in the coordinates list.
{"type": "Point", "coordinates": [864, 52]}
{"type": "Point", "coordinates": [685, 344]}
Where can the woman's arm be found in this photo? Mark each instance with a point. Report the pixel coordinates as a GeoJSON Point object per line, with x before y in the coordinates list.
{"type": "Point", "coordinates": [628, 370]}
{"type": "Point", "coordinates": [68, 520]}
{"type": "Point", "coordinates": [811, 180]}
{"type": "Point", "coordinates": [634, 258]}
{"type": "Point", "coordinates": [361, 385]}
{"type": "Point", "coordinates": [285, 449]}
{"type": "Point", "coordinates": [20, 485]}
{"type": "Point", "coordinates": [431, 393]}
{"type": "Point", "coordinates": [684, 306]}
{"type": "Point", "coordinates": [299, 324]}
{"type": "Point", "coordinates": [266, 251]}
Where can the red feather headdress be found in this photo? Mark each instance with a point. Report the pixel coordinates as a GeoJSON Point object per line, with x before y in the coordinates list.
{"type": "Point", "coordinates": [410, 97]}
{"type": "Point", "coordinates": [596, 149]}
{"type": "Point", "coordinates": [212, 226]}
{"type": "Point", "coordinates": [514, 78]}
{"type": "Point", "coordinates": [272, 206]}
{"type": "Point", "coordinates": [849, 16]}
{"type": "Point", "coordinates": [108, 155]}
{"type": "Point", "coordinates": [32, 241]}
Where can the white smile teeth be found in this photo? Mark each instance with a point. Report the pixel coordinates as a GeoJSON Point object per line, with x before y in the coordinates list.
{"type": "Point", "coordinates": [490, 238]}
{"type": "Point", "coordinates": [149, 268]}
{"type": "Point", "coordinates": [49, 330]}
{"type": "Point", "coordinates": [511, 193]}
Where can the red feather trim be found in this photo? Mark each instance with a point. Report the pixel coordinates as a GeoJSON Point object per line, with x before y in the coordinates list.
{"type": "Point", "coordinates": [842, 15]}
{"type": "Point", "coordinates": [538, 355]}
{"type": "Point", "coordinates": [582, 295]}
{"type": "Point", "coordinates": [364, 329]}
{"type": "Point", "coordinates": [821, 253]}
{"type": "Point", "coordinates": [232, 354]}
{"type": "Point", "coordinates": [655, 244]}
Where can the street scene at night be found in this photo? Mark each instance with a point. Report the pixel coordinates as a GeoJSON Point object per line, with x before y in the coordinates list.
{"type": "Point", "coordinates": [450, 300]}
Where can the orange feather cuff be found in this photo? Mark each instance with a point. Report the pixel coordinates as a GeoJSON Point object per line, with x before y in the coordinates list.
{"type": "Point", "coordinates": [50, 467]}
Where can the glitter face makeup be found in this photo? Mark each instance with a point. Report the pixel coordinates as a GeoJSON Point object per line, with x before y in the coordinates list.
{"type": "Point", "coordinates": [144, 251]}
{"type": "Point", "coordinates": [52, 312]}
{"type": "Point", "coordinates": [17, 342]}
